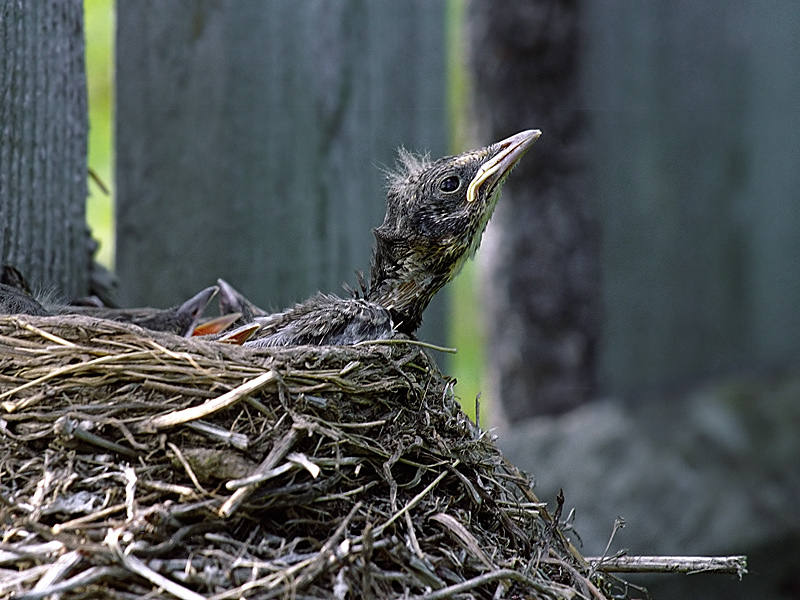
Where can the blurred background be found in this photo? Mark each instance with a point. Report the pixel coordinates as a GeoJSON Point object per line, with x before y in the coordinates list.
{"type": "Point", "coordinates": [99, 26]}
{"type": "Point", "coordinates": [632, 323]}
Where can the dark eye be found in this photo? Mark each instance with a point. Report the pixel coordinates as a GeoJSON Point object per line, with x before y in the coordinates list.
{"type": "Point", "coordinates": [450, 184]}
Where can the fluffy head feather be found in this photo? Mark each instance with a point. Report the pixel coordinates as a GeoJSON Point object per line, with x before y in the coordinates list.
{"type": "Point", "coordinates": [409, 168]}
{"type": "Point", "coordinates": [435, 216]}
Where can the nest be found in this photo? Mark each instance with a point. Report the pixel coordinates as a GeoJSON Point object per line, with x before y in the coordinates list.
{"type": "Point", "coordinates": [137, 464]}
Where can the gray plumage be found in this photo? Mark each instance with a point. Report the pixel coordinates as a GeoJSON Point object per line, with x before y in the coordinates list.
{"type": "Point", "coordinates": [15, 301]}
{"type": "Point", "coordinates": [15, 298]}
{"type": "Point", "coordinates": [325, 319]}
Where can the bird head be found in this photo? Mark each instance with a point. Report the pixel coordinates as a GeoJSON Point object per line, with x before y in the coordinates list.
{"type": "Point", "coordinates": [436, 214]}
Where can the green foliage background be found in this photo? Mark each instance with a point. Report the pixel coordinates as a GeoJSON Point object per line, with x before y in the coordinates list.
{"type": "Point", "coordinates": [99, 26]}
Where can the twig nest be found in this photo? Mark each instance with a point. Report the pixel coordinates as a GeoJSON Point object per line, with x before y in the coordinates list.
{"type": "Point", "coordinates": [143, 464]}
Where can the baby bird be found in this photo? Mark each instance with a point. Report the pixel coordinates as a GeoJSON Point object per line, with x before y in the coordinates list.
{"type": "Point", "coordinates": [436, 215]}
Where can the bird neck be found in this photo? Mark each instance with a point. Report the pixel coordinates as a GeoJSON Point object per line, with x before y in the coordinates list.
{"type": "Point", "coordinates": [403, 286]}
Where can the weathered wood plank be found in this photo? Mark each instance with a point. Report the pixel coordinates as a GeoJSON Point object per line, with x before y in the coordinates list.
{"type": "Point", "coordinates": [43, 115]}
{"type": "Point", "coordinates": [251, 138]}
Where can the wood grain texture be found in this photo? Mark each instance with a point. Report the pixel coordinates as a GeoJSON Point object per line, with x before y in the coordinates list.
{"type": "Point", "coordinates": [43, 115]}
{"type": "Point", "coordinates": [251, 138]}
{"type": "Point", "coordinates": [697, 130]}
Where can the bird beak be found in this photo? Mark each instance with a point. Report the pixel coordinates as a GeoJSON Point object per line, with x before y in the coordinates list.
{"type": "Point", "coordinates": [495, 169]}
{"type": "Point", "coordinates": [241, 334]}
{"type": "Point", "coordinates": [195, 306]}
{"type": "Point", "coordinates": [231, 300]}
{"type": "Point", "coordinates": [216, 325]}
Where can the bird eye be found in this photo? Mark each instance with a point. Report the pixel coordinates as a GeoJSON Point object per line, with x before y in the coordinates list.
{"type": "Point", "coordinates": [450, 184]}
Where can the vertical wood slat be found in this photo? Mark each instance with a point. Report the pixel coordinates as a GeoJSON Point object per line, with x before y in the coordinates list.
{"type": "Point", "coordinates": [697, 130]}
{"type": "Point", "coordinates": [43, 115]}
{"type": "Point", "coordinates": [251, 138]}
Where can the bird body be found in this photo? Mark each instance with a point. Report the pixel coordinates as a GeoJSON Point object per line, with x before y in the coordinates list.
{"type": "Point", "coordinates": [324, 319]}
{"type": "Point", "coordinates": [16, 298]}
